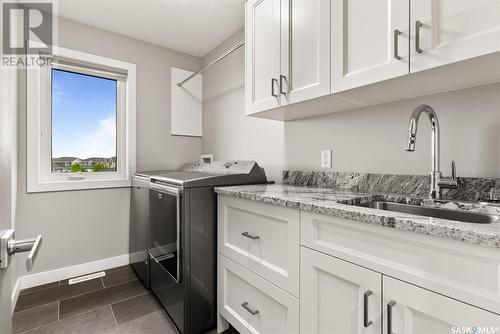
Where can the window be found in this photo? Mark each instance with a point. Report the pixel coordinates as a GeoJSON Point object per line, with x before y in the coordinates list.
{"type": "Point", "coordinates": [81, 123]}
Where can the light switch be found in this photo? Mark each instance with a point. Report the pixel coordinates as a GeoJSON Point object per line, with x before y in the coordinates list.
{"type": "Point", "coordinates": [326, 159]}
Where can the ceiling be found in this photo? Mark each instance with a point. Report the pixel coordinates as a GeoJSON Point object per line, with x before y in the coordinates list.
{"type": "Point", "coordinates": [191, 26]}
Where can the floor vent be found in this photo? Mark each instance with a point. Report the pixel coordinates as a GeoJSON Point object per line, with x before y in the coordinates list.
{"type": "Point", "coordinates": [86, 277]}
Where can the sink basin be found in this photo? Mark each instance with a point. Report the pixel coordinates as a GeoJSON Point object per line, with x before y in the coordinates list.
{"type": "Point", "coordinates": [463, 216]}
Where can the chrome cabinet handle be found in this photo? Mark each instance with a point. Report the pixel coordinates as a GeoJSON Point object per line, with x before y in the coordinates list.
{"type": "Point", "coordinates": [396, 44]}
{"type": "Point", "coordinates": [273, 80]}
{"type": "Point", "coordinates": [249, 309]}
{"type": "Point", "coordinates": [389, 316]}
{"type": "Point", "coordinates": [282, 77]}
{"type": "Point", "coordinates": [418, 24]}
{"type": "Point", "coordinates": [366, 322]}
{"type": "Point", "coordinates": [248, 235]}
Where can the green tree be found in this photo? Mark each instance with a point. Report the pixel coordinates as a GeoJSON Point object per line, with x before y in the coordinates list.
{"type": "Point", "coordinates": [99, 167]}
{"type": "Point", "coordinates": [75, 167]}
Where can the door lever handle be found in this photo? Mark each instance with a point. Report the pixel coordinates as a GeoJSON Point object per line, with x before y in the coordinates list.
{"type": "Point", "coordinates": [9, 246]}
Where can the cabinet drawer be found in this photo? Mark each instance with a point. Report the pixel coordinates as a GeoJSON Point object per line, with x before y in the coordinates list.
{"type": "Point", "coordinates": [253, 305]}
{"type": "Point", "coordinates": [263, 238]}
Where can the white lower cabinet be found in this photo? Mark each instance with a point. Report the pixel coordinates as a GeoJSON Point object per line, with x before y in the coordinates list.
{"type": "Point", "coordinates": [410, 310]}
{"type": "Point", "coordinates": [282, 270]}
{"type": "Point", "coordinates": [253, 305]}
{"type": "Point", "coordinates": [337, 297]}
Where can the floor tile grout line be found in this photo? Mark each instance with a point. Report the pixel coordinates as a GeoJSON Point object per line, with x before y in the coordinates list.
{"type": "Point", "coordinates": [59, 283]}
{"type": "Point", "coordinates": [57, 321]}
{"type": "Point", "coordinates": [21, 293]}
{"type": "Point", "coordinates": [110, 305]}
{"type": "Point", "coordinates": [135, 279]}
{"type": "Point", "coordinates": [92, 291]}
{"type": "Point", "coordinates": [113, 313]}
{"type": "Point", "coordinates": [116, 302]}
{"type": "Point", "coordinates": [31, 308]}
{"type": "Point", "coordinates": [81, 294]}
{"type": "Point", "coordinates": [123, 300]}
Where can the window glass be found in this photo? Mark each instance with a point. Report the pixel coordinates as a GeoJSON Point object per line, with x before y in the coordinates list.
{"type": "Point", "coordinates": [83, 123]}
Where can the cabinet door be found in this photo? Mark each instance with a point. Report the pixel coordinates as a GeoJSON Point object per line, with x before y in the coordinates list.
{"type": "Point", "coordinates": [416, 310]}
{"type": "Point", "coordinates": [305, 49]}
{"type": "Point", "coordinates": [370, 40]}
{"type": "Point", "coordinates": [262, 63]}
{"type": "Point", "coordinates": [452, 30]}
{"type": "Point", "coordinates": [333, 299]}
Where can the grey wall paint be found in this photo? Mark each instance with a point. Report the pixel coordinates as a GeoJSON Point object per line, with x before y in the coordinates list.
{"type": "Point", "coordinates": [8, 185]}
{"type": "Point", "coordinates": [84, 226]}
{"type": "Point", "coordinates": [369, 139]}
{"type": "Point", "coordinates": [227, 132]}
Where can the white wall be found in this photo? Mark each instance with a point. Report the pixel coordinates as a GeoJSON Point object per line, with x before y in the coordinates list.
{"type": "Point", "coordinates": [85, 226]}
{"type": "Point", "coordinates": [227, 132]}
{"type": "Point", "coordinates": [370, 139]}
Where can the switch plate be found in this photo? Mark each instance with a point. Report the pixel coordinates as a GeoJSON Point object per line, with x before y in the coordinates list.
{"type": "Point", "coordinates": [326, 159]}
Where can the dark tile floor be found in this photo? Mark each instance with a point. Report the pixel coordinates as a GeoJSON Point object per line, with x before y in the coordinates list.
{"type": "Point", "coordinates": [115, 304]}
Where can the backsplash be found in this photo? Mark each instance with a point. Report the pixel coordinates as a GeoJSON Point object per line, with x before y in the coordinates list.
{"type": "Point", "coordinates": [469, 189]}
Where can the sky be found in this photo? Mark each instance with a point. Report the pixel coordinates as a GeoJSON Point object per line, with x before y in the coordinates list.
{"type": "Point", "coordinates": [83, 116]}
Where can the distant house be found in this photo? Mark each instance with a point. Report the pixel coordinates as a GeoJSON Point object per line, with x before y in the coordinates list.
{"type": "Point", "coordinates": [63, 164]}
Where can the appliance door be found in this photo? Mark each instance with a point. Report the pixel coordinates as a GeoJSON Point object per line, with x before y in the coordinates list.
{"type": "Point", "coordinates": [165, 250]}
{"type": "Point", "coordinates": [139, 228]}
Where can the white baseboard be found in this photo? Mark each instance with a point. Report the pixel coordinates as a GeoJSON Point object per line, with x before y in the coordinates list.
{"type": "Point", "coordinates": [15, 294]}
{"type": "Point", "coordinates": [45, 277]}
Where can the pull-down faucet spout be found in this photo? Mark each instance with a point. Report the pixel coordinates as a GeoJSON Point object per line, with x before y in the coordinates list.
{"type": "Point", "coordinates": [436, 180]}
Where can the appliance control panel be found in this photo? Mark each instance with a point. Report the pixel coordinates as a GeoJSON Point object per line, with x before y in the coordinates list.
{"type": "Point", "coordinates": [222, 167]}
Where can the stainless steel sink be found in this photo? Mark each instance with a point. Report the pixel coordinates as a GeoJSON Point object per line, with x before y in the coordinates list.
{"type": "Point", "coordinates": [463, 216]}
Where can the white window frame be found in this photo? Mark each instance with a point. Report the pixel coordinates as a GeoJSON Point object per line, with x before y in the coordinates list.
{"type": "Point", "coordinates": [39, 135]}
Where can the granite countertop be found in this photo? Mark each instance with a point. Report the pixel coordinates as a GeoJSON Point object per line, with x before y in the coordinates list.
{"type": "Point", "coordinates": [340, 203]}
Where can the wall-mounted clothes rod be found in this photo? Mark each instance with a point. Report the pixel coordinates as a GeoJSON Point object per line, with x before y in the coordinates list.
{"type": "Point", "coordinates": [227, 53]}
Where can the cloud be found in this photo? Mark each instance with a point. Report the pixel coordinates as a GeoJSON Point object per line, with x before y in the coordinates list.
{"type": "Point", "coordinates": [57, 95]}
{"type": "Point", "coordinates": [101, 143]}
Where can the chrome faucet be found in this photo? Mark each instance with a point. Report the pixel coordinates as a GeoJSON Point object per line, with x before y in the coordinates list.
{"type": "Point", "coordinates": [437, 181]}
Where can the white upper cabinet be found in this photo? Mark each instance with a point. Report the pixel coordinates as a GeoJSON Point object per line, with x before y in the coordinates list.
{"type": "Point", "coordinates": [410, 309]}
{"type": "Point", "coordinates": [262, 29]}
{"type": "Point", "coordinates": [287, 52]}
{"type": "Point", "coordinates": [446, 31]}
{"type": "Point", "coordinates": [369, 41]}
{"type": "Point", "coordinates": [344, 54]}
{"type": "Point", "coordinates": [305, 49]}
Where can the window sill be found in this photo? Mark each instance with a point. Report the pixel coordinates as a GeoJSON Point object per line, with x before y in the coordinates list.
{"type": "Point", "coordinates": [68, 185]}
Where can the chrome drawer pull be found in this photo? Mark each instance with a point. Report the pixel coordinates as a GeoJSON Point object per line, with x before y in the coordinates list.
{"type": "Point", "coordinates": [418, 24]}
{"type": "Point", "coordinates": [396, 44]}
{"type": "Point", "coordinates": [366, 322]}
{"type": "Point", "coordinates": [390, 306]}
{"type": "Point", "coordinates": [249, 309]}
{"type": "Point", "coordinates": [248, 235]}
{"type": "Point", "coordinates": [273, 80]}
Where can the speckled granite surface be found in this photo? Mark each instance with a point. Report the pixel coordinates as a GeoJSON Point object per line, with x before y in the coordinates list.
{"type": "Point", "coordinates": [338, 202]}
{"type": "Point", "coordinates": [470, 189]}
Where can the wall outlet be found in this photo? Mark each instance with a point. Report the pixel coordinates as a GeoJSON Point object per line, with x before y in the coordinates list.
{"type": "Point", "coordinates": [326, 159]}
